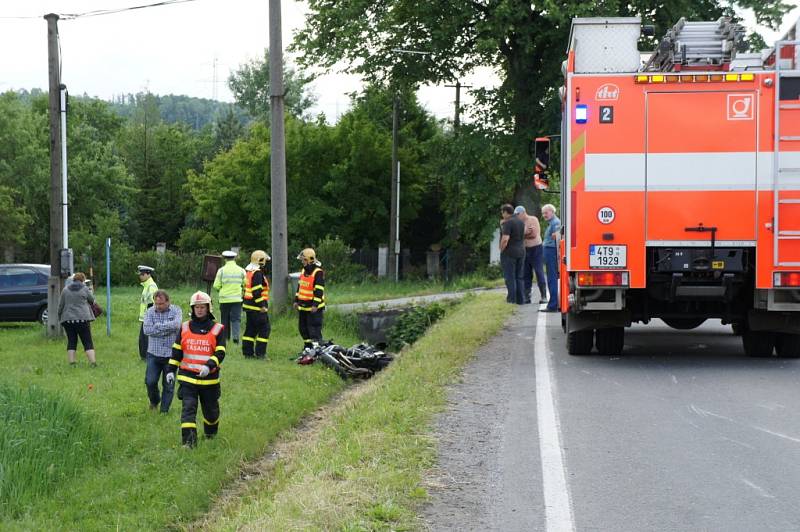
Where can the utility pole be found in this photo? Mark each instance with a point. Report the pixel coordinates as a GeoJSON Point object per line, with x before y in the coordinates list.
{"type": "Point", "coordinates": [280, 260]}
{"type": "Point", "coordinates": [55, 283]}
{"type": "Point", "coordinates": [457, 118]}
{"type": "Point", "coordinates": [394, 210]}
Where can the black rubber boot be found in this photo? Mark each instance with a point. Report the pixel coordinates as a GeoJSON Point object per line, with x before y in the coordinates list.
{"type": "Point", "coordinates": [189, 438]}
{"type": "Point", "coordinates": [210, 429]}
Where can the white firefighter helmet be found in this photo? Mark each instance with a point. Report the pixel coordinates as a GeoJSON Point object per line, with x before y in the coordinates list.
{"type": "Point", "coordinates": [200, 298]}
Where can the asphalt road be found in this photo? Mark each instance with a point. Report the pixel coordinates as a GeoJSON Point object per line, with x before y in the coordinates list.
{"type": "Point", "coordinates": [682, 432]}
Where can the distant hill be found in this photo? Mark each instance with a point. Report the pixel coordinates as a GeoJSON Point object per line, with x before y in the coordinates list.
{"type": "Point", "coordinates": [196, 112]}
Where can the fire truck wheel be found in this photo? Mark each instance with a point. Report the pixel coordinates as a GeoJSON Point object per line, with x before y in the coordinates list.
{"type": "Point", "coordinates": [738, 328]}
{"type": "Point", "coordinates": [787, 345]}
{"type": "Point", "coordinates": [758, 343]}
{"type": "Point", "coordinates": [610, 342]}
{"type": "Point", "coordinates": [580, 342]}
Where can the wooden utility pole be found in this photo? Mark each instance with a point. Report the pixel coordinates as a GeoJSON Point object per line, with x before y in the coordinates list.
{"type": "Point", "coordinates": [55, 283]}
{"type": "Point", "coordinates": [457, 118]}
{"type": "Point", "coordinates": [280, 261]}
{"type": "Point", "coordinates": [394, 214]}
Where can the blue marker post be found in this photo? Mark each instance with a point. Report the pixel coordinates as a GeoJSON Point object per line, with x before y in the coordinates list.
{"type": "Point", "coordinates": [108, 286]}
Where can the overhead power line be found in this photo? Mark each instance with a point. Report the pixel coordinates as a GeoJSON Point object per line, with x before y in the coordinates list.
{"type": "Point", "coordinates": [99, 12]}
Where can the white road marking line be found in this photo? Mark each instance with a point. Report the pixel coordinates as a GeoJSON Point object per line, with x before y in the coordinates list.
{"type": "Point", "coordinates": [778, 434]}
{"type": "Point", "coordinates": [761, 491]}
{"type": "Point", "coordinates": [706, 413]}
{"type": "Point", "coordinates": [557, 502]}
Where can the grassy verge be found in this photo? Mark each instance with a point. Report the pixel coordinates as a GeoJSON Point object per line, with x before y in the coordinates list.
{"type": "Point", "coordinates": [379, 290]}
{"type": "Point", "coordinates": [362, 469]}
{"type": "Point", "coordinates": [122, 466]}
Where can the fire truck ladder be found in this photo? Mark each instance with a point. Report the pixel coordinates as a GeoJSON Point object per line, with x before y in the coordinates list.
{"type": "Point", "coordinates": [782, 175]}
{"type": "Point", "coordinates": [707, 45]}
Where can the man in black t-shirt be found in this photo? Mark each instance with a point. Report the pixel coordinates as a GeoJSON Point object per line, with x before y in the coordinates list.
{"type": "Point", "coordinates": [512, 254]}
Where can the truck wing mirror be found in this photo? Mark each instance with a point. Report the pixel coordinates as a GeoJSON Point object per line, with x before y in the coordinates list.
{"type": "Point", "coordinates": [541, 163]}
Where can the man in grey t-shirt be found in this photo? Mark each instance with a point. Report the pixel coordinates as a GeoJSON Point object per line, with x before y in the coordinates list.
{"type": "Point", "coordinates": [512, 254]}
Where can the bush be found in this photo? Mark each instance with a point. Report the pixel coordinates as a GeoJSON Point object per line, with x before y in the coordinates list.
{"type": "Point", "coordinates": [411, 325]}
{"type": "Point", "coordinates": [45, 440]}
{"type": "Point", "coordinates": [336, 258]}
{"type": "Point", "coordinates": [172, 269]}
{"type": "Point", "coordinates": [490, 271]}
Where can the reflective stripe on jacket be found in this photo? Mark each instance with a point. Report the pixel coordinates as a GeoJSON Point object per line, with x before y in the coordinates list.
{"type": "Point", "coordinates": [310, 290]}
{"type": "Point", "coordinates": [230, 282]}
{"type": "Point", "coordinates": [196, 351]}
{"type": "Point", "coordinates": [256, 290]}
{"type": "Point", "coordinates": [149, 288]}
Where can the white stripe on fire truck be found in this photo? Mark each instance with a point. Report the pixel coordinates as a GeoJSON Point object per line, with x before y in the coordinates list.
{"type": "Point", "coordinates": [688, 171]}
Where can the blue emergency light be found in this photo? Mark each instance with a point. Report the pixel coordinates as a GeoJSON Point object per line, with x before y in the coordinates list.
{"type": "Point", "coordinates": [581, 113]}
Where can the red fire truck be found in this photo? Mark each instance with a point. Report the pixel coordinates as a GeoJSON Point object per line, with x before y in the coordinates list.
{"type": "Point", "coordinates": [680, 188]}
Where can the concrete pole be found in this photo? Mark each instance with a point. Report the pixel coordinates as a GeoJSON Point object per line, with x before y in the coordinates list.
{"type": "Point", "coordinates": [280, 262]}
{"type": "Point", "coordinates": [55, 283]}
{"type": "Point", "coordinates": [64, 196]}
{"type": "Point", "coordinates": [394, 214]}
{"type": "Point", "coordinates": [457, 118]}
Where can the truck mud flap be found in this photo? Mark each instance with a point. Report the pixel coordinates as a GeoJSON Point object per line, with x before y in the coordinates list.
{"type": "Point", "coordinates": [598, 320]}
{"type": "Point", "coordinates": [783, 322]}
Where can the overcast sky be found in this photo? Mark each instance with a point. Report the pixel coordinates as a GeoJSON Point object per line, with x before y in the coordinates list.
{"type": "Point", "coordinates": [172, 49]}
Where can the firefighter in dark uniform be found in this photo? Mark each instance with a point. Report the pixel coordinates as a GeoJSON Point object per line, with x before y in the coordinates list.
{"type": "Point", "coordinates": [197, 355]}
{"type": "Point", "coordinates": [310, 298]}
{"type": "Point", "coordinates": [255, 305]}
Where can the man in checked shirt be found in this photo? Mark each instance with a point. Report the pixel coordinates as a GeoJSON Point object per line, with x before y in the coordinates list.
{"type": "Point", "coordinates": [161, 324]}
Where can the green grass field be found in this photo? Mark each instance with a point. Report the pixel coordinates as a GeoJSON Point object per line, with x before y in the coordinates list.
{"type": "Point", "coordinates": [80, 449]}
{"type": "Point", "coordinates": [379, 290]}
{"type": "Point", "coordinates": [127, 470]}
{"type": "Point", "coordinates": [362, 469]}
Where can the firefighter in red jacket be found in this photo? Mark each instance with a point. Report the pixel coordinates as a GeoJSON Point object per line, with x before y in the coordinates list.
{"type": "Point", "coordinates": [310, 298]}
{"type": "Point", "coordinates": [197, 355]}
{"type": "Point", "coordinates": [255, 305]}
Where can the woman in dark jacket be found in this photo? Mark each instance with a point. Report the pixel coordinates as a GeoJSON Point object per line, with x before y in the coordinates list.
{"type": "Point", "coordinates": [75, 315]}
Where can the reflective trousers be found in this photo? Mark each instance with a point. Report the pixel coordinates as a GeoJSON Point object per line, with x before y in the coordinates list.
{"type": "Point", "coordinates": [256, 334]}
{"type": "Point", "coordinates": [208, 397]}
{"type": "Point", "coordinates": [310, 325]}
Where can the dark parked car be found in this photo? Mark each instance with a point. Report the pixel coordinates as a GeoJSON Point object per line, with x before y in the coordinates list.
{"type": "Point", "coordinates": [23, 292]}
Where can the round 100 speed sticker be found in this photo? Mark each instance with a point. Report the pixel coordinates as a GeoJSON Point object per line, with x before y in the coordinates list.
{"type": "Point", "coordinates": [606, 215]}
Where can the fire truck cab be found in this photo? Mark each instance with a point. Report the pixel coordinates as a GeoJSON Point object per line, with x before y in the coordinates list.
{"type": "Point", "coordinates": [680, 190]}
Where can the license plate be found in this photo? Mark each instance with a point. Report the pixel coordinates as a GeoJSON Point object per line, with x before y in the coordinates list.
{"type": "Point", "coordinates": [602, 256]}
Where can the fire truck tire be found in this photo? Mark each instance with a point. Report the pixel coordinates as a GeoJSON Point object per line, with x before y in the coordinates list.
{"type": "Point", "coordinates": [758, 343]}
{"type": "Point", "coordinates": [610, 342]}
{"type": "Point", "coordinates": [580, 342]}
{"type": "Point", "coordinates": [738, 328]}
{"type": "Point", "coordinates": [684, 324]}
{"type": "Point", "coordinates": [787, 345]}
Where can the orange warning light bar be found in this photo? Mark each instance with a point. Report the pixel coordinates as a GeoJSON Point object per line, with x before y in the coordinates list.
{"type": "Point", "coordinates": [696, 78]}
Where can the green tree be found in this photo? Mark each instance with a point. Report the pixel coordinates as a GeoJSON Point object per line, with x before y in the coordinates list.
{"type": "Point", "coordinates": [337, 179]}
{"type": "Point", "coordinates": [16, 222]}
{"type": "Point", "coordinates": [250, 86]}
{"type": "Point", "coordinates": [197, 113]}
{"type": "Point", "coordinates": [159, 155]}
{"type": "Point", "coordinates": [99, 187]}
{"type": "Point", "coordinates": [227, 130]}
{"type": "Point", "coordinates": [519, 39]}
{"type": "Point", "coordinates": [25, 178]}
